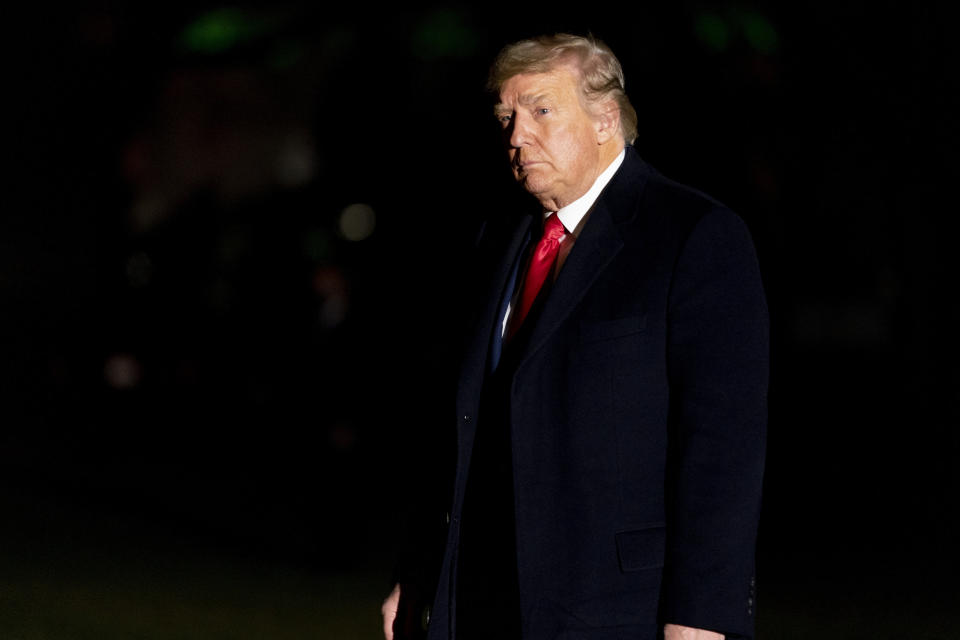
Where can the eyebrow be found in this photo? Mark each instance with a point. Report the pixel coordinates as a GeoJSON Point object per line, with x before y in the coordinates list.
{"type": "Point", "coordinates": [528, 99]}
{"type": "Point", "coordinates": [501, 109]}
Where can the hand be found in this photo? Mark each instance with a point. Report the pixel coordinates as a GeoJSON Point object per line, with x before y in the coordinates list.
{"type": "Point", "coordinates": [679, 632]}
{"type": "Point", "coordinates": [389, 610]}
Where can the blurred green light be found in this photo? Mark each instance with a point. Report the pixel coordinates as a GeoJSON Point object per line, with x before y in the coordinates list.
{"type": "Point", "coordinates": [712, 31]}
{"type": "Point", "coordinates": [443, 34]}
{"type": "Point", "coordinates": [220, 30]}
{"type": "Point", "coordinates": [759, 33]}
{"type": "Point", "coordinates": [287, 54]}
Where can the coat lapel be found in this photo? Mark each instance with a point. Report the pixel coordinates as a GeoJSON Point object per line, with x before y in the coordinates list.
{"type": "Point", "coordinates": [475, 357]}
{"type": "Point", "coordinates": [598, 244]}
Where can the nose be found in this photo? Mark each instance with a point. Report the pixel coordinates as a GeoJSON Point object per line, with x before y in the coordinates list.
{"type": "Point", "coordinates": [519, 131]}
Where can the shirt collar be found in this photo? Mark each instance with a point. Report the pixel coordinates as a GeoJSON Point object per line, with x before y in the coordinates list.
{"type": "Point", "coordinates": [573, 213]}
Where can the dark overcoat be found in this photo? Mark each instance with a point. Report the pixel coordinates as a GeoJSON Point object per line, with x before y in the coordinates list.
{"type": "Point", "coordinates": [637, 417]}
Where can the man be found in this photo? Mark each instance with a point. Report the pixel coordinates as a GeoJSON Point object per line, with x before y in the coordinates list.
{"type": "Point", "coordinates": [612, 400]}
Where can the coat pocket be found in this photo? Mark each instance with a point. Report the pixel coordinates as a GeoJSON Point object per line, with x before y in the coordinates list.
{"type": "Point", "coordinates": [640, 549]}
{"type": "Point", "coordinates": [609, 329]}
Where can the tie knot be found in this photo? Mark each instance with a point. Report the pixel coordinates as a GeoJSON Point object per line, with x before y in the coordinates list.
{"type": "Point", "coordinates": [553, 228]}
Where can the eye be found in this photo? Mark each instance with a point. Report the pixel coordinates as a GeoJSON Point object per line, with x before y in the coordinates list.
{"type": "Point", "coordinates": [542, 111]}
{"type": "Point", "coordinates": [504, 119]}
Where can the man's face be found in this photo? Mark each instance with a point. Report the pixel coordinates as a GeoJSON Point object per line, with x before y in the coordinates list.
{"type": "Point", "coordinates": [551, 139]}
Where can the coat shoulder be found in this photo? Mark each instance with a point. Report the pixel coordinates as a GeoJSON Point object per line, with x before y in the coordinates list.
{"type": "Point", "coordinates": [647, 201]}
{"type": "Point", "coordinates": [684, 207]}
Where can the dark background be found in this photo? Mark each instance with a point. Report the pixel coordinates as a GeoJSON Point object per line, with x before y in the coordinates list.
{"type": "Point", "coordinates": [216, 374]}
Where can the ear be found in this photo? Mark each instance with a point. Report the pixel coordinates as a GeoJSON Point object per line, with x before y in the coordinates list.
{"type": "Point", "coordinates": [607, 121]}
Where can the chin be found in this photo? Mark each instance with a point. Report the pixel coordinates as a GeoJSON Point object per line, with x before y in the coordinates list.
{"type": "Point", "coordinates": [534, 187]}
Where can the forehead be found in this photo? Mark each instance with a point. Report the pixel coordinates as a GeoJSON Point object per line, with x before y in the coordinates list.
{"type": "Point", "coordinates": [526, 88]}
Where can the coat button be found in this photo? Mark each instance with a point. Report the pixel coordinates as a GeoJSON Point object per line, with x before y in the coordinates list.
{"type": "Point", "coordinates": [425, 618]}
{"type": "Point", "coordinates": [466, 417]}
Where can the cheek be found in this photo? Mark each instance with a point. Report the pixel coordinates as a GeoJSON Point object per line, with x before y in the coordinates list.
{"type": "Point", "coordinates": [582, 147]}
{"type": "Point", "coordinates": [574, 142]}
{"type": "Point", "coordinates": [574, 157]}
{"type": "Point", "coordinates": [565, 150]}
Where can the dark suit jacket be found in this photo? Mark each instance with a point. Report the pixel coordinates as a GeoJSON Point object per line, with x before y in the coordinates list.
{"type": "Point", "coordinates": [638, 415]}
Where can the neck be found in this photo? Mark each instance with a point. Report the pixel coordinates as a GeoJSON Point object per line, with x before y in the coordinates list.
{"type": "Point", "coordinates": [609, 152]}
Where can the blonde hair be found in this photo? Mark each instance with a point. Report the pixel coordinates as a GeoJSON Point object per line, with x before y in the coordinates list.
{"type": "Point", "coordinates": [601, 76]}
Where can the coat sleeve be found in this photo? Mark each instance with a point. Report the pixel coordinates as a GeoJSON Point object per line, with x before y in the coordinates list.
{"type": "Point", "coordinates": [718, 361]}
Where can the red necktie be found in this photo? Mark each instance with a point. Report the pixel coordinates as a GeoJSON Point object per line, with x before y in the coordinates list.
{"type": "Point", "coordinates": [541, 262]}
